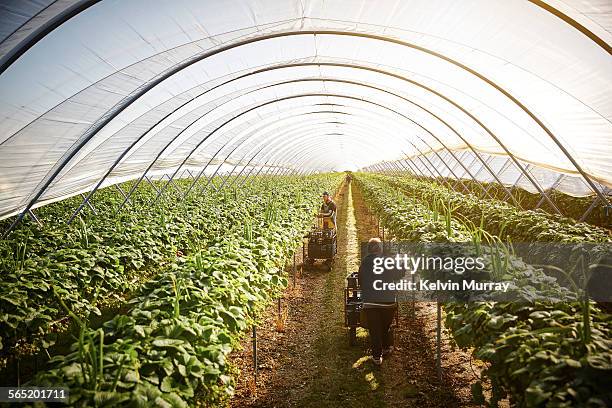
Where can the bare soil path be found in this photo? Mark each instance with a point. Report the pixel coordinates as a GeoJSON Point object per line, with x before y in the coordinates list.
{"type": "Point", "coordinates": [311, 364]}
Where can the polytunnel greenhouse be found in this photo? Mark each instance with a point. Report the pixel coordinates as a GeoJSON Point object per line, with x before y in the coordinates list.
{"type": "Point", "coordinates": [306, 203]}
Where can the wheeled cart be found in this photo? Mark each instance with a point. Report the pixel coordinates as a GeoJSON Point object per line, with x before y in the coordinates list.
{"type": "Point", "coordinates": [353, 306]}
{"type": "Point", "coordinates": [320, 244]}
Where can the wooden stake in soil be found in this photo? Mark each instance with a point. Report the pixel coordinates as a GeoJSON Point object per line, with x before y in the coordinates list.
{"type": "Point", "coordinates": [294, 270]}
{"type": "Point", "coordinates": [439, 340]}
{"type": "Point", "coordinates": [254, 337]}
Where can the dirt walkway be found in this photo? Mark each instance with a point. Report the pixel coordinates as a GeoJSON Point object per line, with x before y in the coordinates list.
{"type": "Point", "coordinates": [312, 365]}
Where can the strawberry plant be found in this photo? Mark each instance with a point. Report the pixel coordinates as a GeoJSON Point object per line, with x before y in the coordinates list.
{"type": "Point", "coordinates": [539, 352]}
{"type": "Point", "coordinates": [172, 343]}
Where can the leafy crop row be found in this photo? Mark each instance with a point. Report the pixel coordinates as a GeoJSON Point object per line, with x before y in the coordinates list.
{"type": "Point", "coordinates": [171, 347]}
{"type": "Point", "coordinates": [105, 259]}
{"type": "Point", "coordinates": [540, 353]}
{"type": "Point", "coordinates": [502, 219]}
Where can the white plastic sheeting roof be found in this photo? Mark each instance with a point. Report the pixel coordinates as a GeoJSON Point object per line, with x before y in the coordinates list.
{"type": "Point", "coordinates": [112, 89]}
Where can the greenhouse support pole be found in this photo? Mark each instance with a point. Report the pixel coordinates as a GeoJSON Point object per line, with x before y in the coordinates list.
{"type": "Point", "coordinates": [418, 156]}
{"type": "Point", "coordinates": [223, 161]}
{"type": "Point", "coordinates": [207, 164]}
{"type": "Point", "coordinates": [406, 169]}
{"type": "Point", "coordinates": [409, 165]}
{"type": "Point", "coordinates": [401, 170]}
{"type": "Point", "coordinates": [589, 210]}
{"type": "Point", "coordinates": [465, 157]}
{"type": "Point", "coordinates": [397, 169]}
{"type": "Point", "coordinates": [246, 177]}
{"type": "Point", "coordinates": [421, 170]}
{"type": "Point", "coordinates": [476, 177]}
{"type": "Point", "coordinates": [35, 218]}
{"type": "Point", "coordinates": [594, 204]}
{"type": "Point", "coordinates": [525, 172]}
{"type": "Point", "coordinates": [545, 194]}
{"type": "Point", "coordinates": [439, 340]}
{"type": "Point", "coordinates": [456, 179]}
{"type": "Point", "coordinates": [150, 182]}
{"type": "Point", "coordinates": [503, 168]}
{"type": "Point", "coordinates": [256, 174]}
{"type": "Point", "coordinates": [389, 169]}
{"type": "Point", "coordinates": [255, 365]}
{"type": "Point", "coordinates": [188, 172]}
{"type": "Point", "coordinates": [412, 169]}
{"type": "Point", "coordinates": [442, 178]}
{"type": "Point", "coordinates": [444, 159]}
{"type": "Point", "coordinates": [429, 161]}
{"type": "Point", "coordinates": [117, 187]}
{"type": "Point", "coordinates": [211, 180]}
{"type": "Point", "coordinates": [460, 160]}
{"type": "Point", "coordinates": [173, 183]}
{"type": "Point", "coordinates": [384, 168]}
{"type": "Point", "coordinates": [552, 187]}
{"type": "Point", "coordinates": [247, 165]}
{"type": "Point", "coordinates": [235, 179]}
{"type": "Point", "coordinates": [91, 207]}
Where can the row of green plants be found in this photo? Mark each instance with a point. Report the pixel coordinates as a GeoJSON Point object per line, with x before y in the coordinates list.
{"type": "Point", "coordinates": [103, 257]}
{"type": "Point", "coordinates": [570, 206]}
{"type": "Point", "coordinates": [502, 219]}
{"type": "Point", "coordinates": [171, 348]}
{"type": "Point", "coordinates": [550, 347]}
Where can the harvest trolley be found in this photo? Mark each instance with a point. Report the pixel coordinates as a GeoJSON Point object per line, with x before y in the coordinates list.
{"type": "Point", "coordinates": [320, 244]}
{"type": "Point", "coordinates": [353, 306]}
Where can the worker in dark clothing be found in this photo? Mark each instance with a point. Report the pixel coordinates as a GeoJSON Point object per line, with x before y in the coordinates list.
{"type": "Point", "coordinates": [379, 306]}
{"type": "Point", "coordinates": [328, 212]}
{"type": "Point", "coordinates": [599, 285]}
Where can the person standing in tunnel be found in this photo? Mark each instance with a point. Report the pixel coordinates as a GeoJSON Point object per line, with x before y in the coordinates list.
{"type": "Point", "coordinates": [379, 306]}
{"type": "Point", "coordinates": [328, 212]}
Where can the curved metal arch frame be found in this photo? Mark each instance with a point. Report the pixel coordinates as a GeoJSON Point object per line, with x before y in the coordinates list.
{"type": "Point", "coordinates": [254, 72]}
{"type": "Point", "coordinates": [290, 81]}
{"type": "Point", "coordinates": [268, 138]}
{"type": "Point", "coordinates": [222, 125]}
{"type": "Point", "coordinates": [140, 92]}
{"type": "Point", "coordinates": [241, 141]}
{"type": "Point", "coordinates": [382, 90]}
{"type": "Point", "coordinates": [430, 147]}
{"type": "Point", "coordinates": [40, 33]}
{"type": "Point", "coordinates": [290, 125]}
{"type": "Point", "coordinates": [287, 133]}
{"type": "Point", "coordinates": [191, 153]}
{"type": "Point", "coordinates": [163, 150]}
{"type": "Point", "coordinates": [289, 146]}
{"type": "Point", "coordinates": [429, 90]}
{"type": "Point", "coordinates": [273, 67]}
{"type": "Point", "coordinates": [282, 151]}
{"type": "Point", "coordinates": [426, 130]}
{"type": "Point", "coordinates": [384, 107]}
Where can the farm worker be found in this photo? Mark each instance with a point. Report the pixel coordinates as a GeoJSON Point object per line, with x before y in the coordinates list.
{"type": "Point", "coordinates": [379, 306]}
{"type": "Point", "coordinates": [599, 285]}
{"type": "Point", "coordinates": [328, 211]}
